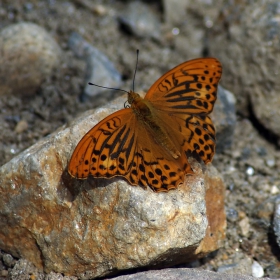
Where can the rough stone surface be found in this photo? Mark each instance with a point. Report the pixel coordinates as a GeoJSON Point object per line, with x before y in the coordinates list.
{"type": "Point", "coordinates": [187, 23]}
{"type": "Point", "coordinates": [28, 56]}
{"type": "Point", "coordinates": [276, 220]}
{"type": "Point", "coordinates": [97, 227]}
{"type": "Point", "coordinates": [184, 274]}
{"type": "Point", "coordinates": [251, 70]}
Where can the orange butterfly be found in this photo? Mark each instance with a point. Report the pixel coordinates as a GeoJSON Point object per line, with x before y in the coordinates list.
{"type": "Point", "coordinates": [149, 143]}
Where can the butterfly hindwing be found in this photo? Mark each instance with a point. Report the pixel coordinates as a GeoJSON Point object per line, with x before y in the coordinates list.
{"type": "Point", "coordinates": [154, 167]}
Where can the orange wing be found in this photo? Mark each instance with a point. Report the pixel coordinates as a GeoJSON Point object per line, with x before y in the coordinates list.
{"type": "Point", "coordinates": [120, 145]}
{"type": "Point", "coordinates": [183, 98]}
{"type": "Point", "coordinates": [189, 88]}
{"type": "Point", "coordinates": [123, 145]}
{"type": "Point", "coordinates": [107, 150]}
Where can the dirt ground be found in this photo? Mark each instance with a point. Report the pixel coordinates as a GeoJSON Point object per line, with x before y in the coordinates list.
{"type": "Point", "coordinates": [250, 167]}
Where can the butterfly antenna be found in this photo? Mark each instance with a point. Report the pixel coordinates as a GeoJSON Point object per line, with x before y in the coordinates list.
{"type": "Point", "coordinates": [108, 87]}
{"type": "Point", "coordinates": [137, 54]}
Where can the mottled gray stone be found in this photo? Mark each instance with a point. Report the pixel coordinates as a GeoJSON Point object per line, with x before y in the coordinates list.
{"type": "Point", "coordinates": [183, 274]}
{"type": "Point", "coordinates": [139, 19]}
{"type": "Point", "coordinates": [99, 69]}
{"type": "Point", "coordinates": [224, 118]}
{"type": "Point", "coordinates": [28, 56]}
{"type": "Point", "coordinates": [246, 40]}
{"type": "Point", "coordinates": [276, 220]}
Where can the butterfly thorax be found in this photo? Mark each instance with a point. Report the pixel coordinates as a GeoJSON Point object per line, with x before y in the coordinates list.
{"type": "Point", "coordinates": [145, 113]}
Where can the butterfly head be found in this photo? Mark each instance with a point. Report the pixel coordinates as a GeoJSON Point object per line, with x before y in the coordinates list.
{"type": "Point", "coordinates": [132, 96]}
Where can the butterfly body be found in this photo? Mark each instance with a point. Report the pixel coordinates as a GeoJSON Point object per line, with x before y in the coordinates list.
{"type": "Point", "coordinates": [145, 113]}
{"type": "Point", "coordinates": [149, 143]}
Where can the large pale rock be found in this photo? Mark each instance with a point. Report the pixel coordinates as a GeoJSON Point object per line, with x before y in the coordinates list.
{"type": "Point", "coordinates": [97, 227]}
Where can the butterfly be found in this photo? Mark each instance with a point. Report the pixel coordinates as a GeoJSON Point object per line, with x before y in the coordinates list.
{"type": "Point", "coordinates": [149, 143]}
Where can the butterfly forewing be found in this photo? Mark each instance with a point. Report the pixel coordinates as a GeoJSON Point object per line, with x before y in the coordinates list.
{"type": "Point", "coordinates": [190, 87]}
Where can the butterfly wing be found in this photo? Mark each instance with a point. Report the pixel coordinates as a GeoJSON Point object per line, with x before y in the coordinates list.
{"type": "Point", "coordinates": [107, 150]}
{"type": "Point", "coordinates": [120, 145]}
{"type": "Point", "coordinates": [153, 165]}
{"type": "Point", "coordinates": [189, 87]}
{"type": "Point", "coordinates": [184, 97]}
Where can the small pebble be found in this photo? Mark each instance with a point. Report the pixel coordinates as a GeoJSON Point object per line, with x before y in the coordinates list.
{"type": "Point", "coordinates": [257, 270]}
{"type": "Point", "coordinates": [232, 214]}
{"type": "Point", "coordinates": [244, 226]}
{"type": "Point", "coordinates": [4, 273]}
{"type": "Point", "coordinates": [274, 190]}
{"type": "Point", "coordinates": [8, 260]}
{"type": "Point", "coordinates": [270, 162]}
{"type": "Point", "coordinates": [250, 171]}
{"type": "Point", "coordinates": [21, 126]}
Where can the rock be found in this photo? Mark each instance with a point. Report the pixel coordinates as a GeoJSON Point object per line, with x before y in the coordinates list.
{"type": "Point", "coordinates": [276, 219]}
{"type": "Point", "coordinates": [224, 118]}
{"type": "Point", "coordinates": [246, 40]}
{"type": "Point", "coordinates": [96, 227]}
{"type": "Point", "coordinates": [257, 270]}
{"type": "Point", "coordinates": [139, 20]}
{"type": "Point", "coordinates": [232, 215]}
{"type": "Point", "coordinates": [265, 211]}
{"type": "Point", "coordinates": [28, 56]}
{"type": "Point", "coordinates": [8, 260]}
{"type": "Point", "coordinates": [4, 273]}
{"type": "Point", "coordinates": [25, 270]}
{"type": "Point", "coordinates": [187, 23]}
{"type": "Point", "coordinates": [175, 11]}
{"type": "Point", "coordinates": [243, 267]}
{"type": "Point", "coordinates": [21, 126]}
{"type": "Point", "coordinates": [183, 274]}
{"type": "Point", "coordinates": [244, 226]}
{"type": "Point", "coordinates": [100, 70]}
